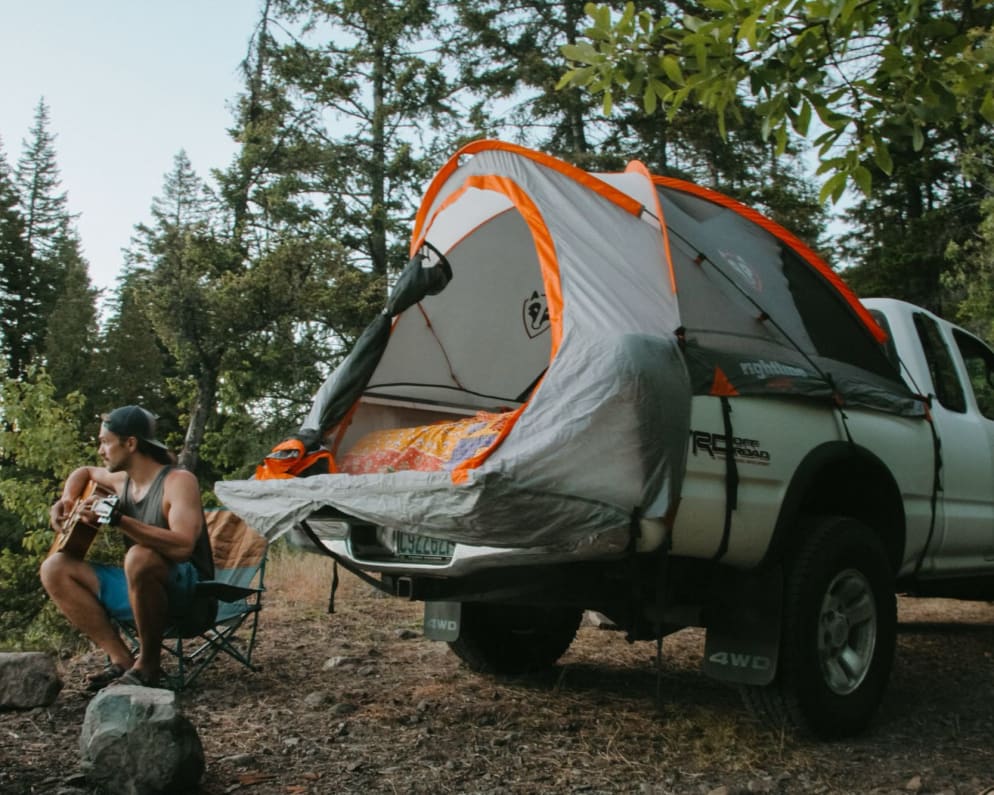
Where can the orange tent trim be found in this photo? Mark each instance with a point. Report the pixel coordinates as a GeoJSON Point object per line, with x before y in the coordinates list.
{"type": "Point", "coordinates": [586, 179]}
{"type": "Point", "coordinates": [721, 386]}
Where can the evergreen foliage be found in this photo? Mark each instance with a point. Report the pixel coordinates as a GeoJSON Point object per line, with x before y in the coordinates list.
{"type": "Point", "coordinates": [969, 284]}
{"type": "Point", "coordinates": [43, 207]}
{"type": "Point", "coordinates": [509, 56]}
{"type": "Point", "coordinates": [901, 233]}
{"type": "Point", "coordinates": [15, 273]}
{"type": "Point", "coordinates": [132, 362]}
{"type": "Point", "coordinates": [71, 336]}
{"type": "Point", "coordinates": [372, 92]}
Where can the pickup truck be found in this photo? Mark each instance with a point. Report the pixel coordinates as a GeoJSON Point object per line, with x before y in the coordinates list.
{"type": "Point", "coordinates": [798, 596]}
{"type": "Point", "coordinates": [630, 394]}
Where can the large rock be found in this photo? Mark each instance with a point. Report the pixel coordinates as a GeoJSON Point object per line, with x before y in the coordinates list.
{"type": "Point", "coordinates": [135, 742]}
{"type": "Point", "coordinates": [28, 679]}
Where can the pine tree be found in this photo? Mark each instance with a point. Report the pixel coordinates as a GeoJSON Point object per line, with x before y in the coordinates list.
{"type": "Point", "coordinates": [902, 232]}
{"type": "Point", "coordinates": [132, 362]}
{"type": "Point", "coordinates": [53, 247]}
{"type": "Point", "coordinates": [72, 334]}
{"type": "Point", "coordinates": [178, 261]}
{"type": "Point", "coordinates": [14, 270]}
{"type": "Point", "coordinates": [225, 297]}
{"type": "Point", "coordinates": [373, 69]}
{"type": "Point", "coordinates": [508, 54]}
{"type": "Point", "coordinates": [44, 206]}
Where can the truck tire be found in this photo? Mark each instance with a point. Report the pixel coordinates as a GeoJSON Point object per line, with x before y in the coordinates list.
{"type": "Point", "coordinates": [514, 639]}
{"type": "Point", "coordinates": [838, 635]}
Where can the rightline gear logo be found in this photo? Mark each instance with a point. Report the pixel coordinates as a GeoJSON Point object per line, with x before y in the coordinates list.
{"type": "Point", "coordinates": [766, 368]}
{"type": "Point", "coordinates": [535, 314]}
{"type": "Point", "coordinates": [713, 445]}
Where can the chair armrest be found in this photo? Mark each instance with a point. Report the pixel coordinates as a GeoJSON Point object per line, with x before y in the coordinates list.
{"type": "Point", "coordinates": [225, 591]}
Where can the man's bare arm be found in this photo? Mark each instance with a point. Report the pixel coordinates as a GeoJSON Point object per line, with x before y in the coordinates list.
{"type": "Point", "coordinates": [183, 511]}
{"type": "Point", "coordinates": [72, 489]}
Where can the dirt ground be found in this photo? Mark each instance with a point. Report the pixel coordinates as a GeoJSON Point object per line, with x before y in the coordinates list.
{"type": "Point", "coordinates": [359, 701]}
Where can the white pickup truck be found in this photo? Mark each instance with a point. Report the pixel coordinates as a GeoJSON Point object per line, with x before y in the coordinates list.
{"type": "Point", "coordinates": [656, 404]}
{"type": "Point", "coordinates": [831, 519]}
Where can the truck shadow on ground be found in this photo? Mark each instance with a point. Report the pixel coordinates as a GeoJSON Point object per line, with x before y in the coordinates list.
{"type": "Point", "coordinates": [942, 680]}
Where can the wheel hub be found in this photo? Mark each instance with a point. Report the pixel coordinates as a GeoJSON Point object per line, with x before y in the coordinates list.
{"type": "Point", "coordinates": [836, 630]}
{"type": "Point", "coordinates": [847, 631]}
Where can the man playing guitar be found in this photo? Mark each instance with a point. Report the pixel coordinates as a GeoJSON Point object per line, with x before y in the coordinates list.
{"type": "Point", "coordinates": [168, 551]}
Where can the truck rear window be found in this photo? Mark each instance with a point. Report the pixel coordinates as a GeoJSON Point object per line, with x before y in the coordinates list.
{"type": "Point", "coordinates": [948, 389]}
{"type": "Point", "coordinates": [979, 362]}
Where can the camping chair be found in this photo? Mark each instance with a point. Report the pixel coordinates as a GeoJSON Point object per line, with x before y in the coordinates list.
{"type": "Point", "coordinates": [239, 568]}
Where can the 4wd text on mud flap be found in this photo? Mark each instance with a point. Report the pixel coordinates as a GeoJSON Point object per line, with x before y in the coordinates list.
{"type": "Point", "coordinates": [758, 662]}
{"type": "Point", "coordinates": [442, 624]}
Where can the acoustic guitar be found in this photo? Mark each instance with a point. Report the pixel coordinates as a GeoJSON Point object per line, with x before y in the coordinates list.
{"type": "Point", "coordinates": [76, 535]}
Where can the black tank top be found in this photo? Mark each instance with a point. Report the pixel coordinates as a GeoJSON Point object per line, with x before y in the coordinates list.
{"type": "Point", "coordinates": [148, 510]}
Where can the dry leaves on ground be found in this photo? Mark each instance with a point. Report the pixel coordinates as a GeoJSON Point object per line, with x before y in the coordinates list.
{"type": "Point", "coordinates": [358, 701]}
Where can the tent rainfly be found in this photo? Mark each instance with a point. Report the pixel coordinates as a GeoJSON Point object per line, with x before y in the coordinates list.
{"type": "Point", "coordinates": [560, 322]}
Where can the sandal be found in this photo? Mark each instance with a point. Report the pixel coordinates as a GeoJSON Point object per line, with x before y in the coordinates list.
{"type": "Point", "coordinates": [111, 673]}
{"type": "Point", "coordinates": [138, 678]}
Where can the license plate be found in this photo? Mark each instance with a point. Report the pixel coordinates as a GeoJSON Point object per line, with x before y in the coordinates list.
{"type": "Point", "coordinates": [415, 547]}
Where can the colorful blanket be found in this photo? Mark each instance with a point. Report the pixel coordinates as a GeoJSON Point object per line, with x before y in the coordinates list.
{"type": "Point", "coordinates": [427, 448]}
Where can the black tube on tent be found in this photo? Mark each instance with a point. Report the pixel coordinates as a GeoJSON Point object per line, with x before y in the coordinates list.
{"type": "Point", "coordinates": [427, 273]}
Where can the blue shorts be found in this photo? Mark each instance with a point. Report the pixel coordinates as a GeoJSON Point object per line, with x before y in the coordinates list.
{"type": "Point", "coordinates": [183, 578]}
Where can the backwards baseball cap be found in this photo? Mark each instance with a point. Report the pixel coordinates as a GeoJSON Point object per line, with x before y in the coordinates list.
{"type": "Point", "coordinates": [133, 421]}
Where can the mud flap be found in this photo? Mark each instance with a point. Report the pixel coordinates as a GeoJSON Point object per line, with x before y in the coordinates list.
{"type": "Point", "coordinates": [442, 620]}
{"type": "Point", "coordinates": [743, 620]}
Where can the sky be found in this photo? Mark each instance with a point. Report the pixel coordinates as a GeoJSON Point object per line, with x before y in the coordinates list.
{"type": "Point", "coordinates": [128, 84]}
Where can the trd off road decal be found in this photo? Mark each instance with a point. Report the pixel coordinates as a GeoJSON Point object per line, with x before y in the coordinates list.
{"type": "Point", "coordinates": [746, 451]}
{"type": "Point", "coordinates": [535, 314]}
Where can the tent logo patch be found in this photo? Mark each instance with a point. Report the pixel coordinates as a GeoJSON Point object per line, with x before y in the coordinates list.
{"type": "Point", "coordinates": [535, 314]}
{"type": "Point", "coordinates": [738, 264]}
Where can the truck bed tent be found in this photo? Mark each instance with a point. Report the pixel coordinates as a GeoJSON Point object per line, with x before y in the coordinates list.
{"type": "Point", "coordinates": [529, 381]}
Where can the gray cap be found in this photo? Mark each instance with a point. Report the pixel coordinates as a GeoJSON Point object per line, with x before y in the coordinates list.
{"type": "Point", "coordinates": [133, 421]}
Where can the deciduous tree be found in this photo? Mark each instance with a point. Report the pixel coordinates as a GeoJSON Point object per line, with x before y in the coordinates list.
{"type": "Point", "coordinates": [40, 443]}
{"type": "Point", "coordinates": [861, 78]}
{"type": "Point", "coordinates": [510, 55]}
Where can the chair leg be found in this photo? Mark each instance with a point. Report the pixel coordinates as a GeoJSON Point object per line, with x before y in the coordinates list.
{"type": "Point", "coordinates": [193, 656]}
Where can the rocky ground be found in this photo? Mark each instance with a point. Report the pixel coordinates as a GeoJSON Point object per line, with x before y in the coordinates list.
{"type": "Point", "coordinates": [358, 701]}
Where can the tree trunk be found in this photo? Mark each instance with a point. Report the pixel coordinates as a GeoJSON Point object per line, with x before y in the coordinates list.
{"type": "Point", "coordinates": [574, 106]}
{"type": "Point", "coordinates": [378, 210]}
{"type": "Point", "coordinates": [200, 411]}
{"type": "Point", "coordinates": [254, 73]}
